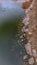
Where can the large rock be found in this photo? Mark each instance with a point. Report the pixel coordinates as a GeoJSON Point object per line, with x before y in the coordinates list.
{"type": "Point", "coordinates": [28, 48]}
{"type": "Point", "coordinates": [31, 61]}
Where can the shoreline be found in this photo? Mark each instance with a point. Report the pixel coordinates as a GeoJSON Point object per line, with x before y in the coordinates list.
{"type": "Point", "coordinates": [31, 33]}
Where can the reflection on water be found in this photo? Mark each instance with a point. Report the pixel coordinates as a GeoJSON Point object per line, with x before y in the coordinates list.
{"type": "Point", "coordinates": [10, 51]}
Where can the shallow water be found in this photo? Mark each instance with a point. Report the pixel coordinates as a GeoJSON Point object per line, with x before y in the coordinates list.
{"type": "Point", "coordinates": [9, 49]}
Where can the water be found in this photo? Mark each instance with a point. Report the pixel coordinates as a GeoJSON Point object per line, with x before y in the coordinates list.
{"type": "Point", "coordinates": [9, 49]}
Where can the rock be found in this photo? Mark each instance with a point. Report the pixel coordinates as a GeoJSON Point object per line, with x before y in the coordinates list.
{"type": "Point", "coordinates": [21, 36]}
{"type": "Point", "coordinates": [26, 23]}
{"type": "Point", "coordinates": [24, 34]}
{"type": "Point", "coordinates": [34, 53]}
{"type": "Point", "coordinates": [29, 41]}
{"type": "Point", "coordinates": [30, 33]}
{"type": "Point", "coordinates": [25, 57]}
{"type": "Point", "coordinates": [26, 30]}
{"type": "Point", "coordinates": [36, 59]}
{"type": "Point", "coordinates": [22, 40]}
{"type": "Point", "coordinates": [27, 19]}
{"type": "Point", "coordinates": [31, 61]}
{"type": "Point", "coordinates": [23, 29]}
{"type": "Point", "coordinates": [28, 48]}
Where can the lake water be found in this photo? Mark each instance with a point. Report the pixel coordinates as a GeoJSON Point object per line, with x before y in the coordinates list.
{"type": "Point", "coordinates": [10, 15]}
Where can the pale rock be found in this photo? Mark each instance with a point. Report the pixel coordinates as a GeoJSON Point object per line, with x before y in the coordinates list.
{"type": "Point", "coordinates": [26, 30]}
{"type": "Point", "coordinates": [24, 34]}
{"type": "Point", "coordinates": [28, 48]}
{"type": "Point", "coordinates": [36, 59]}
{"type": "Point", "coordinates": [27, 13]}
{"type": "Point", "coordinates": [25, 57]}
{"type": "Point", "coordinates": [26, 21]}
{"type": "Point", "coordinates": [34, 53]}
{"type": "Point", "coordinates": [31, 61]}
{"type": "Point", "coordinates": [21, 40]}
{"type": "Point", "coordinates": [21, 36]}
{"type": "Point", "coordinates": [23, 29]}
{"type": "Point", "coordinates": [29, 41]}
{"type": "Point", "coordinates": [30, 33]}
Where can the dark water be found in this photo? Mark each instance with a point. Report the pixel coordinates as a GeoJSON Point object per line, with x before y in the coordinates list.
{"type": "Point", "coordinates": [9, 49]}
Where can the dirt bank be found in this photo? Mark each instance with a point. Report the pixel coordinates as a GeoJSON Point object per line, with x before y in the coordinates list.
{"type": "Point", "coordinates": [33, 27]}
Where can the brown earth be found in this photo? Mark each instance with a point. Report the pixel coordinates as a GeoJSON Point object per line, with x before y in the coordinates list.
{"type": "Point", "coordinates": [33, 27]}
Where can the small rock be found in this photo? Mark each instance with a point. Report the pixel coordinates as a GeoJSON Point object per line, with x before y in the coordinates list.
{"type": "Point", "coordinates": [29, 41]}
{"type": "Point", "coordinates": [30, 33]}
{"type": "Point", "coordinates": [21, 36]}
{"type": "Point", "coordinates": [31, 61]}
{"type": "Point", "coordinates": [28, 48]}
{"type": "Point", "coordinates": [26, 23]}
{"type": "Point", "coordinates": [23, 29]}
{"type": "Point", "coordinates": [26, 30]}
{"type": "Point", "coordinates": [36, 59]}
{"type": "Point", "coordinates": [25, 20]}
{"type": "Point", "coordinates": [25, 57]}
{"type": "Point", "coordinates": [34, 53]}
{"type": "Point", "coordinates": [21, 40]}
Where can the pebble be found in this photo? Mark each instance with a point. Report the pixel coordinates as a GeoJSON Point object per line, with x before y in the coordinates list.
{"type": "Point", "coordinates": [28, 48]}
{"type": "Point", "coordinates": [23, 29]}
{"type": "Point", "coordinates": [30, 33]}
{"type": "Point", "coordinates": [21, 36]}
{"type": "Point", "coordinates": [26, 19]}
{"type": "Point", "coordinates": [26, 23]}
{"type": "Point", "coordinates": [26, 30]}
{"type": "Point", "coordinates": [36, 59]}
{"type": "Point", "coordinates": [34, 53]}
{"type": "Point", "coordinates": [25, 57]}
{"type": "Point", "coordinates": [29, 41]}
{"type": "Point", "coordinates": [21, 39]}
{"type": "Point", "coordinates": [31, 61]}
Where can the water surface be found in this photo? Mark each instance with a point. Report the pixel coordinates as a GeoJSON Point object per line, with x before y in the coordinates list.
{"type": "Point", "coordinates": [10, 15]}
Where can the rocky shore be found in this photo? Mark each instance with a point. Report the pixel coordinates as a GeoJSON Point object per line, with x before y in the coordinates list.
{"type": "Point", "coordinates": [30, 28]}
